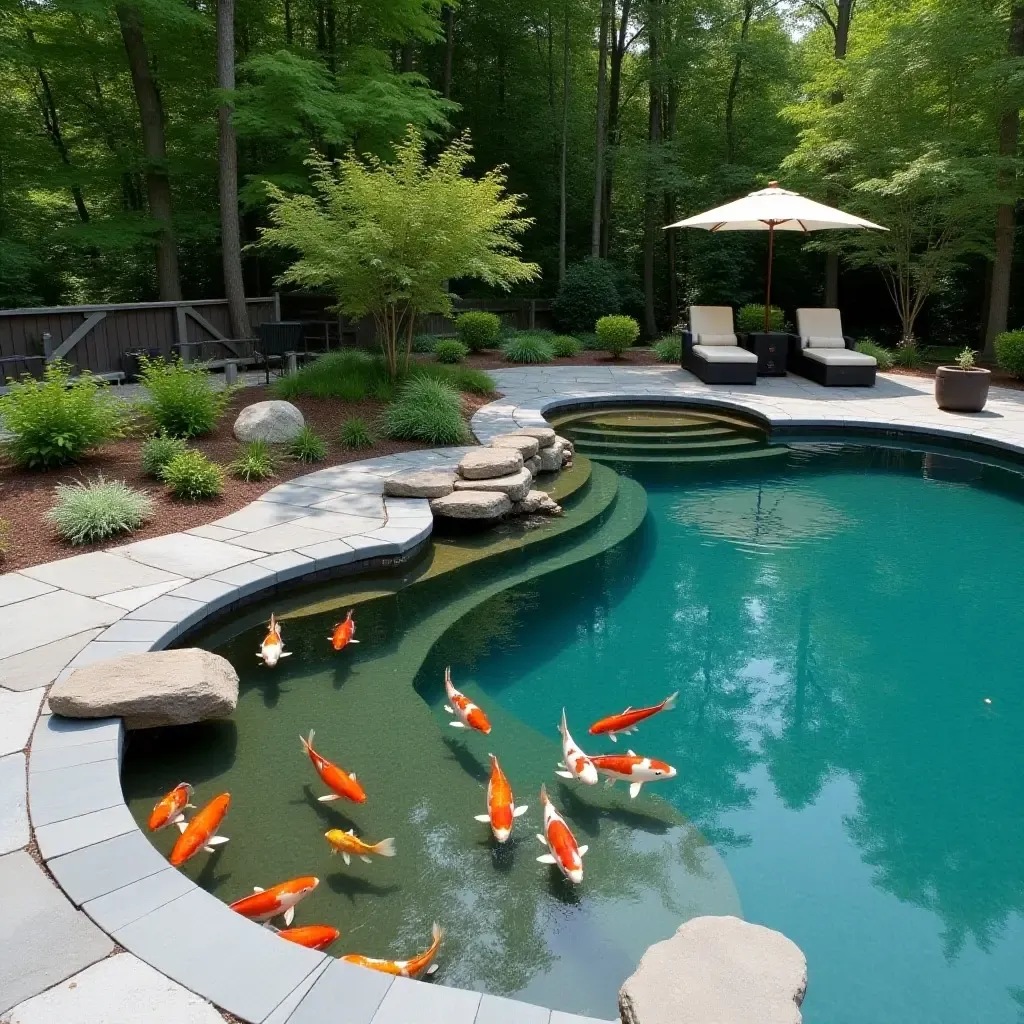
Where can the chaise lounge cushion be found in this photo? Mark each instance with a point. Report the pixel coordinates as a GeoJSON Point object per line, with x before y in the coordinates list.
{"type": "Point", "coordinates": [712, 325]}
{"type": "Point", "coordinates": [723, 353]}
{"type": "Point", "coordinates": [718, 340]}
{"type": "Point", "coordinates": [839, 357]}
{"type": "Point", "coordinates": [823, 343]}
{"type": "Point", "coordinates": [818, 324]}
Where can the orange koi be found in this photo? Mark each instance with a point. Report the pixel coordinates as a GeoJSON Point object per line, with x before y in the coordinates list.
{"type": "Point", "coordinates": [343, 633]}
{"type": "Point", "coordinates": [312, 936]}
{"type": "Point", "coordinates": [201, 832]}
{"type": "Point", "coordinates": [277, 901]}
{"type": "Point", "coordinates": [272, 648]}
{"type": "Point", "coordinates": [414, 968]}
{"type": "Point", "coordinates": [561, 843]}
{"type": "Point", "coordinates": [501, 808]}
{"type": "Point", "coordinates": [630, 718]}
{"type": "Point", "coordinates": [633, 769]}
{"type": "Point", "coordinates": [468, 714]}
{"type": "Point", "coordinates": [341, 783]}
{"type": "Point", "coordinates": [349, 845]}
{"type": "Point", "coordinates": [575, 764]}
{"type": "Point", "coordinates": [171, 808]}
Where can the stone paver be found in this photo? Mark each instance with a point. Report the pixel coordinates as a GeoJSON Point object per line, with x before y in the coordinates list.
{"type": "Point", "coordinates": [407, 1000]}
{"type": "Point", "coordinates": [97, 573]}
{"type": "Point", "coordinates": [18, 713]}
{"type": "Point", "coordinates": [41, 665]}
{"type": "Point", "coordinates": [13, 804]}
{"type": "Point", "coordinates": [496, 1010]}
{"type": "Point", "coordinates": [54, 616]}
{"type": "Point", "coordinates": [14, 586]}
{"type": "Point", "coordinates": [135, 597]}
{"type": "Point", "coordinates": [185, 555]}
{"type": "Point", "coordinates": [342, 994]}
{"type": "Point", "coordinates": [77, 833]}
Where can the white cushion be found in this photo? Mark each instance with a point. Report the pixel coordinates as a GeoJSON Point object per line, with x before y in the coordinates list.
{"type": "Point", "coordinates": [823, 342]}
{"type": "Point", "coordinates": [716, 339]}
{"type": "Point", "coordinates": [839, 357]}
{"type": "Point", "coordinates": [711, 321]}
{"type": "Point", "coordinates": [724, 354]}
{"type": "Point", "coordinates": [819, 323]}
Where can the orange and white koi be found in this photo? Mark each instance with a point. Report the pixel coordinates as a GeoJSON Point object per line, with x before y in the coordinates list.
{"type": "Point", "coordinates": [632, 769]}
{"type": "Point", "coordinates": [340, 782]}
{"type": "Point", "coordinates": [312, 936]}
{"type": "Point", "coordinates": [501, 808]}
{"type": "Point", "coordinates": [468, 714]}
{"type": "Point", "coordinates": [201, 832]}
{"type": "Point", "coordinates": [349, 845]}
{"type": "Point", "coordinates": [171, 808]}
{"type": "Point", "coordinates": [343, 633]}
{"type": "Point", "coordinates": [272, 649]}
{"type": "Point", "coordinates": [627, 721]}
{"type": "Point", "coordinates": [277, 901]}
{"type": "Point", "coordinates": [575, 764]}
{"type": "Point", "coordinates": [561, 843]}
{"type": "Point", "coordinates": [414, 968]}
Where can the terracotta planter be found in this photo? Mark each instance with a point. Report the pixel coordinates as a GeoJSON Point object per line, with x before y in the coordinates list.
{"type": "Point", "coordinates": [959, 390]}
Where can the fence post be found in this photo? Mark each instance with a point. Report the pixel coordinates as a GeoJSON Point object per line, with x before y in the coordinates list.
{"type": "Point", "coordinates": [47, 346]}
{"type": "Point", "coordinates": [291, 363]}
{"type": "Point", "coordinates": [230, 373]}
{"type": "Point", "coordinates": [186, 353]}
{"type": "Point", "coordinates": [277, 306]}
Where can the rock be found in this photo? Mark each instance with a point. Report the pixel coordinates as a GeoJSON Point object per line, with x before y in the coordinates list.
{"type": "Point", "coordinates": [472, 505]}
{"type": "Point", "coordinates": [567, 443]}
{"type": "Point", "coordinates": [515, 485]}
{"type": "Point", "coordinates": [152, 689]}
{"type": "Point", "coordinates": [420, 483]}
{"type": "Point", "coordinates": [276, 422]}
{"type": "Point", "coordinates": [718, 969]}
{"type": "Point", "coordinates": [529, 446]}
{"type": "Point", "coordinates": [485, 463]}
{"type": "Point", "coordinates": [533, 465]}
{"type": "Point", "coordinates": [537, 502]}
{"type": "Point", "coordinates": [551, 458]}
{"type": "Point", "coordinates": [545, 435]}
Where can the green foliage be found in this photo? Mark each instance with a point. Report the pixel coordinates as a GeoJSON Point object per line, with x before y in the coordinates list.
{"type": "Point", "coordinates": [588, 293]}
{"type": "Point", "coordinates": [588, 339]}
{"type": "Point", "coordinates": [59, 419]}
{"type": "Point", "coordinates": [255, 463]}
{"type": "Point", "coordinates": [617, 333]}
{"type": "Point", "coordinates": [469, 379]}
{"type": "Point", "coordinates": [525, 347]}
{"type": "Point", "coordinates": [181, 399]}
{"type": "Point", "coordinates": [564, 346]}
{"type": "Point", "coordinates": [5, 537]}
{"type": "Point", "coordinates": [158, 450]}
{"type": "Point", "coordinates": [424, 343]}
{"type": "Point", "coordinates": [355, 433]}
{"type": "Point", "coordinates": [98, 509]}
{"type": "Point", "coordinates": [965, 360]}
{"type": "Point", "coordinates": [478, 329]}
{"type": "Point", "coordinates": [883, 356]}
{"type": "Point", "coordinates": [426, 410]}
{"type": "Point", "coordinates": [308, 446]}
{"type": "Point", "coordinates": [1010, 352]}
{"type": "Point", "coordinates": [191, 476]}
{"type": "Point", "coordinates": [907, 355]}
{"type": "Point", "coordinates": [450, 351]}
{"type": "Point", "coordinates": [751, 318]}
{"type": "Point", "coordinates": [669, 349]}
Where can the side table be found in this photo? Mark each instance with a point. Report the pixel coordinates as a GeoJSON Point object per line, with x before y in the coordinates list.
{"type": "Point", "coordinates": [771, 349]}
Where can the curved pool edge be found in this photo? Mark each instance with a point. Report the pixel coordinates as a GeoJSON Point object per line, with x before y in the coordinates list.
{"type": "Point", "coordinates": [79, 822]}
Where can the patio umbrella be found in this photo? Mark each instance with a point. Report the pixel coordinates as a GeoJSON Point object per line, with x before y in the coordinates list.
{"type": "Point", "coordinates": [770, 209]}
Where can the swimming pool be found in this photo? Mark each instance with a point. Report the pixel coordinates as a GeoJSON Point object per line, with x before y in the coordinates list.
{"type": "Point", "coordinates": [835, 617]}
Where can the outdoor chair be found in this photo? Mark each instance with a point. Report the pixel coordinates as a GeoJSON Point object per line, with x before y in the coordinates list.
{"type": "Point", "coordinates": [279, 340]}
{"type": "Point", "coordinates": [711, 350]}
{"type": "Point", "coordinates": [822, 353]}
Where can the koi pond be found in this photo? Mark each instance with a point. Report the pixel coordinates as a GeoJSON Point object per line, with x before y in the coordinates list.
{"type": "Point", "coordinates": [843, 623]}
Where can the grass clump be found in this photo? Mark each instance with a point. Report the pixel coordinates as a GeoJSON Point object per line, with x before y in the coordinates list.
{"type": "Point", "coordinates": [477, 330]}
{"type": "Point", "coordinates": [450, 351]}
{"type": "Point", "coordinates": [526, 347]}
{"type": "Point", "coordinates": [883, 356]}
{"type": "Point", "coordinates": [426, 410]}
{"type": "Point", "coordinates": [1010, 352]}
{"type": "Point", "coordinates": [308, 446]}
{"type": "Point", "coordinates": [617, 333]}
{"type": "Point", "coordinates": [350, 375]}
{"type": "Point", "coordinates": [182, 400]}
{"type": "Point", "coordinates": [191, 476]}
{"type": "Point", "coordinates": [255, 463]}
{"type": "Point", "coordinates": [59, 419]}
{"type": "Point", "coordinates": [669, 349]}
{"type": "Point", "coordinates": [98, 509]}
{"type": "Point", "coordinates": [564, 346]}
{"type": "Point", "coordinates": [907, 355]}
{"type": "Point", "coordinates": [158, 450]}
{"type": "Point", "coordinates": [463, 378]}
{"type": "Point", "coordinates": [355, 433]}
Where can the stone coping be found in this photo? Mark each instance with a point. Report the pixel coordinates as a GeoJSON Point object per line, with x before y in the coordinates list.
{"type": "Point", "coordinates": [144, 595]}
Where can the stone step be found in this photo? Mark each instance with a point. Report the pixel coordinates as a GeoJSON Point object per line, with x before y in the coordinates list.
{"type": "Point", "coordinates": [756, 453]}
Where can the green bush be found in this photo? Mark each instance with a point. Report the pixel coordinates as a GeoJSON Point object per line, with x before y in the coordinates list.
{"type": "Point", "coordinates": [255, 463]}
{"type": "Point", "coordinates": [462, 378]}
{"type": "Point", "coordinates": [588, 293]}
{"type": "Point", "coordinates": [751, 318]}
{"type": "Point", "coordinates": [424, 343]}
{"type": "Point", "coordinates": [1010, 352]}
{"type": "Point", "coordinates": [526, 347]}
{"type": "Point", "coordinates": [883, 356]}
{"type": "Point", "coordinates": [426, 410]}
{"type": "Point", "coordinates": [98, 509]}
{"type": "Point", "coordinates": [158, 450]}
{"type": "Point", "coordinates": [478, 330]}
{"type": "Point", "coordinates": [193, 477]}
{"type": "Point", "coordinates": [669, 349]}
{"type": "Point", "coordinates": [355, 433]}
{"type": "Point", "coordinates": [59, 419]}
{"type": "Point", "coordinates": [907, 355]}
{"type": "Point", "coordinates": [450, 351]}
{"type": "Point", "coordinates": [588, 339]}
{"type": "Point", "coordinates": [564, 346]}
{"type": "Point", "coordinates": [350, 375]}
{"type": "Point", "coordinates": [617, 333]}
{"type": "Point", "coordinates": [308, 446]}
{"type": "Point", "coordinates": [182, 400]}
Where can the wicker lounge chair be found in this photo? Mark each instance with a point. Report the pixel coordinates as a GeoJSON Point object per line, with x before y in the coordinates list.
{"type": "Point", "coordinates": [711, 350]}
{"type": "Point", "coordinates": [821, 352]}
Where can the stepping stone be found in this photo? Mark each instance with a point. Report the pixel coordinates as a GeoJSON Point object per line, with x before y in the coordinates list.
{"type": "Point", "coordinates": [472, 505]}
{"type": "Point", "coordinates": [552, 458]}
{"type": "Point", "coordinates": [529, 446]}
{"type": "Point", "coordinates": [545, 435]}
{"type": "Point", "coordinates": [515, 485]}
{"type": "Point", "coordinates": [420, 483]}
{"type": "Point", "coordinates": [486, 463]}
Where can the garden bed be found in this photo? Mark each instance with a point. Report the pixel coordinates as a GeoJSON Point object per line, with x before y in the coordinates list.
{"type": "Point", "coordinates": [492, 359]}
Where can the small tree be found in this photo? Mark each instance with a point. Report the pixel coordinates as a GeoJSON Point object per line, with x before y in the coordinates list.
{"type": "Point", "coordinates": [387, 237]}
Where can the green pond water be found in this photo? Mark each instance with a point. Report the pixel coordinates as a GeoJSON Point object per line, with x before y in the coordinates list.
{"type": "Point", "coordinates": [835, 617]}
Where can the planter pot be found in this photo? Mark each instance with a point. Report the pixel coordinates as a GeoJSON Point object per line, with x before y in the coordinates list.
{"type": "Point", "coordinates": [959, 390]}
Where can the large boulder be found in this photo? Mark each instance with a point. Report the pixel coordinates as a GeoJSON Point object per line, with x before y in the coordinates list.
{"type": "Point", "coordinates": [274, 422]}
{"type": "Point", "coordinates": [152, 689]}
{"type": "Point", "coordinates": [521, 442]}
{"type": "Point", "coordinates": [545, 435]}
{"type": "Point", "coordinates": [472, 505]}
{"type": "Point", "coordinates": [515, 485]}
{"type": "Point", "coordinates": [420, 483]}
{"type": "Point", "coordinates": [485, 463]}
{"type": "Point", "coordinates": [717, 969]}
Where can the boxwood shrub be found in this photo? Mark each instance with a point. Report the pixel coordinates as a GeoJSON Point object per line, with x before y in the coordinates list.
{"type": "Point", "coordinates": [477, 329]}
{"type": "Point", "coordinates": [1010, 352]}
{"type": "Point", "coordinates": [617, 333]}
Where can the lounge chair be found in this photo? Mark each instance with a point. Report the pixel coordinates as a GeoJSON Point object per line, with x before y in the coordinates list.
{"type": "Point", "coordinates": [712, 351]}
{"type": "Point", "coordinates": [821, 352]}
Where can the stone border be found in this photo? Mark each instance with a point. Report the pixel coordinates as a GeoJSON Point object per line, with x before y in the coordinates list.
{"type": "Point", "coordinates": [335, 521]}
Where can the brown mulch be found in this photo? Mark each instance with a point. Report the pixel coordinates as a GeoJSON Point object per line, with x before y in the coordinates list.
{"type": "Point", "coordinates": [1000, 378]}
{"type": "Point", "coordinates": [26, 495]}
{"type": "Point", "coordinates": [492, 360]}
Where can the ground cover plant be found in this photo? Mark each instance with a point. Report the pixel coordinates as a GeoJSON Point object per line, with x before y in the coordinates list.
{"type": "Point", "coordinates": [256, 462]}
{"type": "Point", "coordinates": [181, 399]}
{"type": "Point", "coordinates": [308, 446]}
{"type": "Point", "coordinates": [477, 329]}
{"type": "Point", "coordinates": [191, 476]}
{"type": "Point", "coordinates": [528, 347]}
{"type": "Point", "coordinates": [355, 433]}
{"type": "Point", "coordinates": [426, 410]}
{"type": "Point", "coordinates": [158, 450]}
{"type": "Point", "coordinates": [669, 349]}
{"type": "Point", "coordinates": [882, 356]}
{"type": "Point", "coordinates": [450, 351]}
{"type": "Point", "coordinates": [616, 333]}
{"type": "Point", "coordinates": [907, 355]}
{"type": "Point", "coordinates": [94, 510]}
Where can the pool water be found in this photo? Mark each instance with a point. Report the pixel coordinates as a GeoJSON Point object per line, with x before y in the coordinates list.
{"type": "Point", "coordinates": [843, 624]}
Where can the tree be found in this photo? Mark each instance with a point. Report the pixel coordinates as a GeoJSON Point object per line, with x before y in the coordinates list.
{"type": "Point", "coordinates": [387, 237]}
{"type": "Point", "coordinates": [600, 136]}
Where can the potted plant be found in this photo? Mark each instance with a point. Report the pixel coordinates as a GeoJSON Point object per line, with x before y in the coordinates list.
{"type": "Point", "coordinates": [964, 387]}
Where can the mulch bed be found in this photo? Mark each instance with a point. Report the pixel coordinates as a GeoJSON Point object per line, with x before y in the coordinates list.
{"type": "Point", "coordinates": [1000, 378]}
{"type": "Point", "coordinates": [26, 495]}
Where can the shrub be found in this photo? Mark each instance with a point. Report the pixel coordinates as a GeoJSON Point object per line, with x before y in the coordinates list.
{"type": "Point", "coordinates": [588, 339]}
{"type": "Point", "coordinates": [478, 330]}
{"type": "Point", "coordinates": [424, 343]}
{"type": "Point", "coordinates": [588, 293]}
{"type": "Point", "coordinates": [564, 346]}
{"type": "Point", "coordinates": [182, 400]}
{"type": "Point", "coordinates": [1010, 352]}
{"type": "Point", "coordinates": [617, 333]}
{"type": "Point", "coordinates": [669, 349]}
{"type": "Point", "coordinates": [907, 355]}
{"type": "Point", "coordinates": [158, 450]}
{"type": "Point", "coordinates": [751, 318]}
{"type": "Point", "coordinates": [308, 446]}
{"type": "Point", "coordinates": [350, 375]}
{"type": "Point", "coordinates": [426, 410]}
{"type": "Point", "coordinates": [883, 356]}
{"type": "Point", "coordinates": [193, 477]}
{"type": "Point", "coordinates": [450, 351]}
{"type": "Point", "coordinates": [527, 348]}
{"type": "Point", "coordinates": [462, 378]}
{"type": "Point", "coordinates": [355, 433]}
{"type": "Point", "coordinates": [98, 509]}
{"type": "Point", "coordinates": [255, 463]}
{"type": "Point", "coordinates": [57, 420]}
{"type": "Point", "coordinates": [965, 360]}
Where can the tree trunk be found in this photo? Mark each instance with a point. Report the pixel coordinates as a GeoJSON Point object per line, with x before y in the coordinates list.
{"type": "Point", "coordinates": [671, 112]}
{"type": "Point", "coordinates": [734, 85]}
{"type": "Point", "coordinates": [617, 54]}
{"type": "Point", "coordinates": [449, 51]}
{"type": "Point", "coordinates": [599, 137]}
{"type": "Point", "coordinates": [288, 22]}
{"type": "Point", "coordinates": [407, 56]}
{"type": "Point", "coordinates": [1009, 127]}
{"type": "Point", "coordinates": [565, 150]}
{"type": "Point", "coordinates": [841, 32]}
{"type": "Point", "coordinates": [154, 146]}
{"type": "Point", "coordinates": [653, 142]}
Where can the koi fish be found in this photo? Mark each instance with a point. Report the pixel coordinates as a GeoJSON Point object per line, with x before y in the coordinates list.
{"type": "Point", "coordinates": [272, 649]}
{"type": "Point", "coordinates": [630, 718]}
{"type": "Point", "coordinates": [201, 832]}
{"type": "Point", "coordinates": [468, 714]}
{"type": "Point", "coordinates": [277, 901]}
{"type": "Point", "coordinates": [414, 968]}
{"type": "Point", "coordinates": [575, 764]}
{"type": "Point", "coordinates": [501, 808]}
{"type": "Point", "coordinates": [632, 769]}
{"type": "Point", "coordinates": [341, 782]}
{"type": "Point", "coordinates": [343, 633]}
{"type": "Point", "coordinates": [349, 845]}
{"type": "Point", "coordinates": [171, 809]}
{"type": "Point", "coordinates": [312, 936]}
{"type": "Point", "coordinates": [561, 843]}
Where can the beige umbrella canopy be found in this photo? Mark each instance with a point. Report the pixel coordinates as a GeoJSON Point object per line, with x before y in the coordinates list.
{"type": "Point", "coordinates": [774, 209]}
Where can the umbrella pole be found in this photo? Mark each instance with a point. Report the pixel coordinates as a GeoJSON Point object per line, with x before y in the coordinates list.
{"type": "Point", "coordinates": [768, 290]}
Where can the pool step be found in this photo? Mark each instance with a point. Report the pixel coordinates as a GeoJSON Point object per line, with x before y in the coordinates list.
{"type": "Point", "coordinates": [710, 446]}
{"type": "Point", "coordinates": [756, 453]}
{"type": "Point", "coordinates": [585, 434]}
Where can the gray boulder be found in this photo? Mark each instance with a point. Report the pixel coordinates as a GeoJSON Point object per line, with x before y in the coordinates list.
{"type": "Point", "coordinates": [152, 689]}
{"type": "Point", "coordinates": [551, 458]}
{"type": "Point", "coordinates": [566, 444]}
{"type": "Point", "coordinates": [545, 435]}
{"type": "Point", "coordinates": [533, 465]}
{"type": "Point", "coordinates": [472, 505]}
{"type": "Point", "coordinates": [485, 463]}
{"type": "Point", "coordinates": [717, 969]}
{"type": "Point", "coordinates": [521, 442]}
{"type": "Point", "coordinates": [515, 485]}
{"type": "Point", "coordinates": [275, 422]}
{"type": "Point", "coordinates": [537, 502]}
{"type": "Point", "coordinates": [420, 483]}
